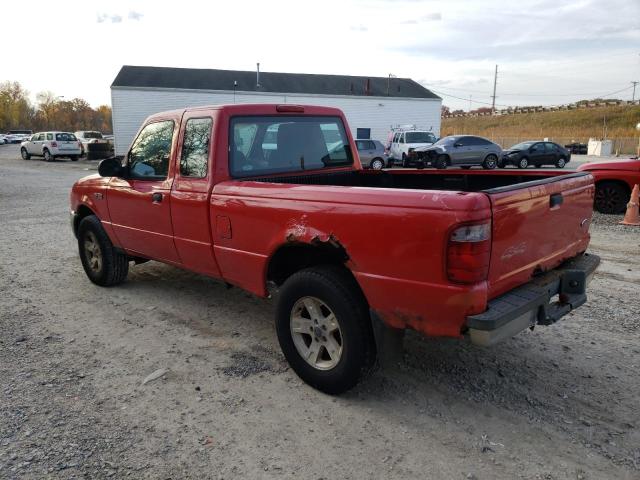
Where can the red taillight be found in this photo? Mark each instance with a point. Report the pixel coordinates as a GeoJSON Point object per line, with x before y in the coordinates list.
{"type": "Point", "coordinates": [54, 144]}
{"type": "Point", "coordinates": [469, 253]}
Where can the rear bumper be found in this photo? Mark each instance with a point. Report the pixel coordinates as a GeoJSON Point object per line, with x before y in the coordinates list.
{"type": "Point", "coordinates": [530, 304]}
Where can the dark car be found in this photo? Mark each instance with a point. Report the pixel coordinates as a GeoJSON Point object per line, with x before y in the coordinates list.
{"type": "Point", "coordinates": [577, 148]}
{"type": "Point", "coordinates": [536, 153]}
{"type": "Point", "coordinates": [463, 151]}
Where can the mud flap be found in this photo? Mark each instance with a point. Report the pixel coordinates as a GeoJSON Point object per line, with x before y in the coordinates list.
{"type": "Point", "coordinates": [389, 341]}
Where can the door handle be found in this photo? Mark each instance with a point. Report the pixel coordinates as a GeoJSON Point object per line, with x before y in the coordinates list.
{"type": "Point", "coordinates": [156, 197]}
{"type": "Point", "coordinates": [555, 200]}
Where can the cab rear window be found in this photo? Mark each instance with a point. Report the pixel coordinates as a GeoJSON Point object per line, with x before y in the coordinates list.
{"type": "Point", "coordinates": [65, 137]}
{"type": "Point", "coordinates": [273, 144]}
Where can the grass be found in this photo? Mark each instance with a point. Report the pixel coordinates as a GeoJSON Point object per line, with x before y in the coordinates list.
{"type": "Point", "coordinates": [615, 123]}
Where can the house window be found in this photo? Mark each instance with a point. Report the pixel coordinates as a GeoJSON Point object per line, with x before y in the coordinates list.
{"type": "Point", "coordinates": [364, 133]}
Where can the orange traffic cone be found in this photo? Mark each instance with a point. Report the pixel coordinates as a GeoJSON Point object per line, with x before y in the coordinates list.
{"type": "Point", "coordinates": [632, 217]}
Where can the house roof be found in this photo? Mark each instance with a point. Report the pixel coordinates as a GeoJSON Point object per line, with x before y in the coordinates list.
{"type": "Point", "coordinates": [290, 83]}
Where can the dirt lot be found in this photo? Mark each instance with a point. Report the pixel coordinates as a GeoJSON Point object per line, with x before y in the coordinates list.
{"type": "Point", "coordinates": [556, 403]}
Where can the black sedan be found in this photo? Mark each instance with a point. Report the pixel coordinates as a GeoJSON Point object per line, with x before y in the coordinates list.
{"type": "Point", "coordinates": [536, 153]}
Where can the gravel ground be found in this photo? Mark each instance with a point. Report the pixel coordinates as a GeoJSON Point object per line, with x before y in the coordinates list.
{"type": "Point", "coordinates": [557, 403]}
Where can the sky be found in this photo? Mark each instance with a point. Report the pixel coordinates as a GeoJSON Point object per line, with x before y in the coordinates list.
{"type": "Point", "coordinates": [548, 52]}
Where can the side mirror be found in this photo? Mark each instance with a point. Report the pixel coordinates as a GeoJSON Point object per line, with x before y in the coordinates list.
{"type": "Point", "coordinates": [110, 167]}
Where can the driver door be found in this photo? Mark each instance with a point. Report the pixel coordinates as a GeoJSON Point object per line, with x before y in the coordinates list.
{"type": "Point", "coordinates": [140, 204]}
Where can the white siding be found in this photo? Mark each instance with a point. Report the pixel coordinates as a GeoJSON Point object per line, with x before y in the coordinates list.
{"type": "Point", "coordinates": [132, 106]}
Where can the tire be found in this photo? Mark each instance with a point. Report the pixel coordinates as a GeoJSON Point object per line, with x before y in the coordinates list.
{"type": "Point", "coordinates": [47, 155]}
{"type": "Point", "coordinates": [24, 154]}
{"type": "Point", "coordinates": [102, 263]}
{"type": "Point", "coordinates": [74, 158]}
{"type": "Point", "coordinates": [523, 162]}
{"type": "Point", "coordinates": [441, 161]}
{"type": "Point", "coordinates": [490, 163]}
{"type": "Point", "coordinates": [327, 289]}
{"type": "Point", "coordinates": [611, 198]}
{"type": "Point", "coordinates": [377, 164]}
{"type": "Point", "coordinates": [561, 162]}
{"type": "Point", "coordinates": [404, 161]}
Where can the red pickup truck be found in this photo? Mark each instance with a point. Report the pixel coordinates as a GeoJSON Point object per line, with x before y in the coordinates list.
{"type": "Point", "coordinates": [614, 181]}
{"type": "Point", "coordinates": [273, 199]}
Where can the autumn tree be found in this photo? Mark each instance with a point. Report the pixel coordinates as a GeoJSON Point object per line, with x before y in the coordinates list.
{"type": "Point", "coordinates": [50, 112]}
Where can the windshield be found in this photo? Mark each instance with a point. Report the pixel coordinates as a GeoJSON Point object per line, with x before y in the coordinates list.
{"type": "Point", "coordinates": [271, 144]}
{"type": "Point", "coordinates": [92, 135]}
{"type": "Point", "coordinates": [522, 146]}
{"type": "Point", "coordinates": [420, 137]}
{"type": "Point", "coordinates": [446, 141]}
{"type": "Point", "coordinates": [65, 137]}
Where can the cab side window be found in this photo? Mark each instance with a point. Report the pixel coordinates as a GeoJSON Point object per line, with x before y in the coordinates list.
{"type": "Point", "coordinates": [195, 148]}
{"type": "Point", "coordinates": [49, 136]}
{"type": "Point", "coordinates": [151, 151]}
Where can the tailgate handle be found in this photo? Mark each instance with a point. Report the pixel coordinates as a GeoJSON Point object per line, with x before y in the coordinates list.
{"type": "Point", "coordinates": [555, 200]}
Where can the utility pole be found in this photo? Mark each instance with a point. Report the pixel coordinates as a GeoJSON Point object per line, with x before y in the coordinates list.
{"type": "Point", "coordinates": [633, 98]}
{"type": "Point", "coordinates": [493, 97]}
{"type": "Point", "coordinates": [470, 102]}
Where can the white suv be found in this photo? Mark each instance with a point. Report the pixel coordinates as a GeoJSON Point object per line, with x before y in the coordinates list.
{"type": "Point", "coordinates": [51, 145]}
{"type": "Point", "coordinates": [402, 142]}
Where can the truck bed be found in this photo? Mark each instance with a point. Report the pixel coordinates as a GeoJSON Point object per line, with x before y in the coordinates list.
{"type": "Point", "coordinates": [413, 179]}
{"type": "Point", "coordinates": [540, 218]}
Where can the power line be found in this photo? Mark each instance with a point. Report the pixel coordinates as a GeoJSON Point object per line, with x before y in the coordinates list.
{"type": "Point", "coordinates": [522, 94]}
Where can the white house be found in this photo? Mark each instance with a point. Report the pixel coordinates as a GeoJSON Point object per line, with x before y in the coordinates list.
{"type": "Point", "coordinates": [372, 104]}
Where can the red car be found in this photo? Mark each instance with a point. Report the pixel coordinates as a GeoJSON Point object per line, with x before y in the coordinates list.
{"type": "Point", "coordinates": [614, 181]}
{"type": "Point", "coordinates": [273, 199]}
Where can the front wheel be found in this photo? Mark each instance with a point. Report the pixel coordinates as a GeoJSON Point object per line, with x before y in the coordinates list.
{"type": "Point", "coordinates": [102, 263]}
{"type": "Point", "coordinates": [611, 197]}
{"type": "Point", "coordinates": [561, 162]}
{"type": "Point", "coordinates": [377, 164]}
{"type": "Point", "coordinates": [441, 161]}
{"type": "Point", "coordinates": [490, 162]}
{"type": "Point", "coordinates": [24, 154]}
{"type": "Point", "coordinates": [324, 329]}
{"type": "Point", "coordinates": [523, 163]}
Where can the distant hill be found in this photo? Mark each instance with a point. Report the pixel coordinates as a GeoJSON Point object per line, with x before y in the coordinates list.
{"type": "Point", "coordinates": [561, 126]}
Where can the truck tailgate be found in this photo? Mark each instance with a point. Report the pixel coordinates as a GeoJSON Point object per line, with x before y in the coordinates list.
{"type": "Point", "coordinates": [536, 226]}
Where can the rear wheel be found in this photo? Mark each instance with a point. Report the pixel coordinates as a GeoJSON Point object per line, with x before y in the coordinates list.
{"type": "Point", "coordinates": [102, 263]}
{"type": "Point", "coordinates": [441, 161]}
{"type": "Point", "coordinates": [47, 155]}
{"type": "Point", "coordinates": [611, 197]}
{"type": "Point", "coordinates": [377, 164]}
{"type": "Point", "coordinates": [24, 154]}
{"type": "Point", "coordinates": [561, 162]}
{"type": "Point", "coordinates": [490, 162]}
{"type": "Point", "coordinates": [323, 327]}
{"type": "Point", "coordinates": [523, 162]}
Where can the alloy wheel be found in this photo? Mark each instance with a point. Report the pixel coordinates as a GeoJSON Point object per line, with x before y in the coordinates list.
{"type": "Point", "coordinates": [92, 252]}
{"type": "Point", "coordinates": [316, 333]}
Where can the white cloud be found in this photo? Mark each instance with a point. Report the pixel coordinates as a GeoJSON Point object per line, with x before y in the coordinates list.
{"type": "Point", "coordinates": [133, 15]}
